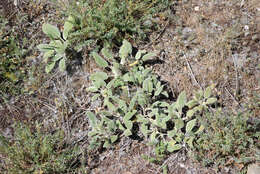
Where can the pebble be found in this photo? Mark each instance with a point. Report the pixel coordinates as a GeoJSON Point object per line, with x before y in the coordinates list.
{"type": "Point", "coordinates": [253, 169]}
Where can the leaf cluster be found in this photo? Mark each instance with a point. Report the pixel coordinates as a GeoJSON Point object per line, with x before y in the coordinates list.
{"type": "Point", "coordinates": [131, 95]}
{"type": "Point", "coordinates": [113, 20]}
{"type": "Point", "coordinates": [56, 50]}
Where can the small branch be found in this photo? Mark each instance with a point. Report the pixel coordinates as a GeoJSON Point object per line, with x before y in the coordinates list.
{"type": "Point", "coordinates": [232, 96]}
{"type": "Point", "coordinates": [237, 79]}
{"type": "Point", "coordinates": [191, 72]}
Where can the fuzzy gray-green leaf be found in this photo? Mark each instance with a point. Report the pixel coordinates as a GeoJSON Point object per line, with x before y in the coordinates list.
{"type": "Point", "coordinates": [127, 132]}
{"type": "Point", "coordinates": [99, 60]}
{"type": "Point", "coordinates": [181, 101]}
{"type": "Point", "coordinates": [68, 26]}
{"type": "Point", "coordinates": [207, 92]}
{"type": "Point", "coordinates": [49, 67]}
{"type": "Point", "coordinates": [190, 125]}
{"type": "Point", "coordinates": [92, 119]}
{"type": "Point", "coordinates": [50, 30]}
{"type": "Point", "coordinates": [113, 138]}
{"type": "Point", "coordinates": [62, 65]}
{"type": "Point", "coordinates": [99, 76]}
{"type": "Point", "coordinates": [172, 146]}
{"type": "Point", "coordinates": [45, 47]}
{"type": "Point", "coordinates": [107, 53]}
{"type": "Point", "coordinates": [139, 54]}
{"type": "Point", "coordinates": [148, 56]}
{"type": "Point", "coordinates": [179, 124]}
{"type": "Point", "coordinates": [211, 101]}
{"type": "Point", "coordinates": [124, 51]}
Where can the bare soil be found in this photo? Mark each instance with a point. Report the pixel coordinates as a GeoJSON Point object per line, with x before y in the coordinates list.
{"type": "Point", "coordinates": [204, 42]}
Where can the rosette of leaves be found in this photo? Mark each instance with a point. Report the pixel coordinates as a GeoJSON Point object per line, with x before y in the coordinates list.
{"type": "Point", "coordinates": [166, 125]}
{"type": "Point", "coordinates": [130, 93]}
{"type": "Point", "coordinates": [201, 100]}
{"type": "Point", "coordinates": [103, 130]}
{"type": "Point", "coordinates": [55, 51]}
{"type": "Point", "coordinates": [127, 89]}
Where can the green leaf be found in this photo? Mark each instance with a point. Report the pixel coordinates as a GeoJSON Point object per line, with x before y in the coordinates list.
{"type": "Point", "coordinates": [49, 67]}
{"type": "Point", "coordinates": [207, 92]}
{"type": "Point", "coordinates": [106, 144]}
{"type": "Point", "coordinates": [139, 54]}
{"type": "Point", "coordinates": [68, 26]}
{"type": "Point", "coordinates": [110, 106]}
{"type": "Point", "coordinates": [201, 128]}
{"type": "Point", "coordinates": [122, 105]}
{"type": "Point", "coordinates": [116, 69]}
{"type": "Point", "coordinates": [144, 130]}
{"type": "Point", "coordinates": [171, 133]}
{"type": "Point", "coordinates": [191, 112]}
{"type": "Point", "coordinates": [148, 56]}
{"type": "Point", "coordinates": [165, 169]}
{"type": "Point", "coordinates": [107, 53]}
{"type": "Point", "coordinates": [190, 142]}
{"type": "Point", "coordinates": [95, 97]}
{"type": "Point", "coordinates": [198, 95]}
{"type": "Point", "coordinates": [181, 101]}
{"type": "Point", "coordinates": [129, 115]}
{"type": "Point", "coordinates": [120, 126]}
{"type": "Point", "coordinates": [159, 89]}
{"type": "Point", "coordinates": [192, 103]}
{"type": "Point", "coordinates": [50, 30]}
{"type": "Point", "coordinates": [165, 93]}
{"type": "Point", "coordinates": [172, 146]}
{"type": "Point", "coordinates": [146, 84]}
{"type": "Point", "coordinates": [124, 51]}
{"type": "Point", "coordinates": [141, 99]}
{"type": "Point", "coordinates": [128, 78]}
{"type": "Point", "coordinates": [62, 65]}
{"type": "Point", "coordinates": [127, 132]}
{"type": "Point", "coordinates": [99, 76]}
{"type": "Point", "coordinates": [153, 139]}
{"type": "Point", "coordinates": [59, 46]}
{"type": "Point", "coordinates": [133, 102]}
{"type": "Point", "coordinates": [99, 60]}
{"type": "Point", "coordinates": [142, 119]}
{"type": "Point", "coordinates": [92, 89]}
{"type": "Point", "coordinates": [47, 54]}
{"type": "Point", "coordinates": [128, 124]}
{"type": "Point", "coordinates": [211, 101]}
{"type": "Point", "coordinates": [113, 138]}
{"type": "Point", "coordinates": [92, 119]}
{"type": "Point", "coordinates": [45, 47]}
{"type": "Point", "coordinates": [178, 124]}
{"type": "Point", "coordinates": [190, 125]}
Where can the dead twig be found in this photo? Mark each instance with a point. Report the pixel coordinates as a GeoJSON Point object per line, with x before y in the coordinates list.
{"type": "Point", "coordinates": [237, 78]}
{"type": "Point", "coordinates": [232, 96]}
{"type": "Point", "coordinates": [191, 72]}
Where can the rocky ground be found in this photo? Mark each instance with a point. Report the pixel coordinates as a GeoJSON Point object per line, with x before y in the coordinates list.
{"type": "Point", "coordinates": [204, 42]}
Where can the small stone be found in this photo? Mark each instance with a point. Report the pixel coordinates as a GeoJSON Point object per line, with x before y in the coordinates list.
{"type": "Point", "coordinates": [197, 8]}
{"type": "Point", "coordinates": [246, 27]}
{"type": "Point", "coordinates": [253, 169]}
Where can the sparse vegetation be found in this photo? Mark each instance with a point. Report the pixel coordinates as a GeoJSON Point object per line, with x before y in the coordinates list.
{"type": "Point", "coordinates": [35, 151]}
{"type": "Point", "coordinates": [122, 96]}
{"type": "Point", "coordinates": [12, 63]}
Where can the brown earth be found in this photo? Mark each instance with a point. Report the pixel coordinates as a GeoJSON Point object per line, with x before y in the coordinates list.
{"type": "Point", "coordinates": [204, 42]}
